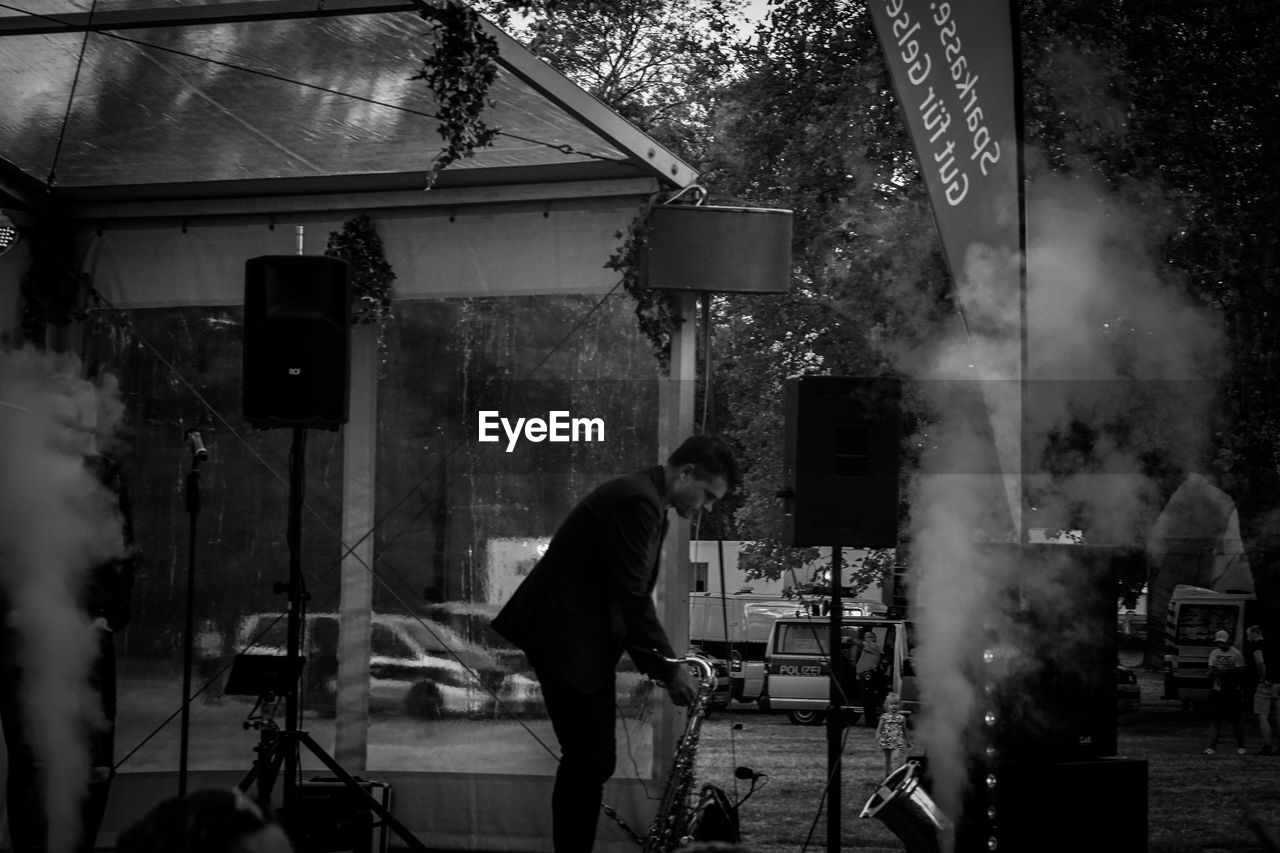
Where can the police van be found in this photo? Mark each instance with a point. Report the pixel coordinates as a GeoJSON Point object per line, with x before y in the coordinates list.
{"type": "Point", "coordinates": [1195, 615]}
{"type": "Point", "coordinates": [750, 618]}
{"type": "Point", "coordinates": [798, 667]}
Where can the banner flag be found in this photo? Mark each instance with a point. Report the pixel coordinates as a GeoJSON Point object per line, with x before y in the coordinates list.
{"type": "Point", "coordinates": [952, 69]}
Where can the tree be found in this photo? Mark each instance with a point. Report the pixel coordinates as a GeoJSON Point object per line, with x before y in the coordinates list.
{"type": "Point", "coordinates": [812, 127]}
{"type": "Point", "coordinates": [655, 62]}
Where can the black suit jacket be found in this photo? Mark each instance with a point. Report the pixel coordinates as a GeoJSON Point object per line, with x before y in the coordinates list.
{"type": "Point", "coordinates": [590, 596]}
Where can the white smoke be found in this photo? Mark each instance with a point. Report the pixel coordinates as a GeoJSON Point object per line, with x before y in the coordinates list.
{"type": "Point", "coordinates": [56, 521]}
{"type": "Point", "coordinates": [1114, 346]}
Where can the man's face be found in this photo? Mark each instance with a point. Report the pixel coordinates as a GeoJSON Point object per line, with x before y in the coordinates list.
{"type": "Point", "coordinates": [691, 494]}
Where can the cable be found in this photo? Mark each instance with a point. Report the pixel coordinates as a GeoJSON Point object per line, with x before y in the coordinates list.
{"type": "Point", "coordinates": [728, 641]}
{"type": "Point", "coordinates": [825, 790]}
{"type": "Point", "coordinates": [626, 733]}
{"type": "Point", "coordinates": [66, 116]}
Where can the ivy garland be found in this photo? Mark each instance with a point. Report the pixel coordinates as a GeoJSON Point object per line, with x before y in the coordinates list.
{"type": "Point", "coordinates": [371, 276]}
{"type": "Point", "coordinates": [653, 310]}
{"type": "Point", "coordinates": [459, 68]}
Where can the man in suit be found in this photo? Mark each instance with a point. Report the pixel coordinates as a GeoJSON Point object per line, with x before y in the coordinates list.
{"type": "Point", "coordinates": [588, 599]}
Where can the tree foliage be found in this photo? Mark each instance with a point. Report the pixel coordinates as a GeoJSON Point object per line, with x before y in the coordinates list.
{"type": "Point", "coordinates": [656, 62]}
{"type": "Point", "coordinates": [459, 66]}
{"type": "Point", "coordinates": [811, 127]}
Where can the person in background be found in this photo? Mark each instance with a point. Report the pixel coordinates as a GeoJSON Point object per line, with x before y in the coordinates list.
{"type": "Point", "coordinates": [891, 733]}
{"type": "Point", "coordinates": [209, 645]}
{"type": "Point", "coordinates": [211, 820]}
{"type": "Point", "coordinates": [107, 601]}
{"type": "Point", "coordinates": [588, 599]}
{"type": "Point", "coordinates": [1266, 696]}
{"type": "Point", "coordinates": [866, 667]}
{"type": "Point", "coordinates": [1226, 691]}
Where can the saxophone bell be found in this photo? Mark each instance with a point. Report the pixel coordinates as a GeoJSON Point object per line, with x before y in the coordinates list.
{"type": "Point", "coordinates": [704, 669]}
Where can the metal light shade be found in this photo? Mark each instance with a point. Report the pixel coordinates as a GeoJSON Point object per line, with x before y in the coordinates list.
{"type": "Point", "coordinates": [717, 249]}
{"type": "Point", "coordinates": [8, 233]}
{"type": "Point", "coordinates": [903, 805]}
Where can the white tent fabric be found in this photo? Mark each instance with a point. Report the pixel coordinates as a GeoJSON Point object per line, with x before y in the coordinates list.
{"type": "Point", "coordinates": [1196, 539]}
{"type": "Point", "coordinates": [553, 247]}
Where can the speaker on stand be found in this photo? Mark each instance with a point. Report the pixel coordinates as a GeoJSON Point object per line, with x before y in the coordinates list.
{"type": "Point", "coordinates": [840, 469]}
{"type": "Point", "coordinates": [297, 371]}
{"type": "Point", "coordinates": [297, 341]}
{"type": "Point", "coordinates": [841, 461]}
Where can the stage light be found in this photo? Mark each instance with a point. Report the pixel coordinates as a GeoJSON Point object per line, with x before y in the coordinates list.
{"type": "Point", "coordinates": [8, 233]}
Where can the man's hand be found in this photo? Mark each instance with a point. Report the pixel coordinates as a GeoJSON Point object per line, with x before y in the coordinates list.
{"type": "Point", "coordinates": [682, 686]}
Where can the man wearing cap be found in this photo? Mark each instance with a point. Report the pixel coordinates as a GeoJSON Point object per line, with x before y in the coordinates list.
{"type": "Point", "coordinates": [1226, 697]}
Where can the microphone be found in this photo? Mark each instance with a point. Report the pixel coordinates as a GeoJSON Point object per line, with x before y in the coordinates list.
{"type": "Point", "coordinates": [747, 774]}
{"type": "Point", "coordinates": [197, 446]}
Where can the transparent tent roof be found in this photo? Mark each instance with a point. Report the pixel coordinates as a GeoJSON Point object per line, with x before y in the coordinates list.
{"type": "Point", "coordinates": [133, 100]}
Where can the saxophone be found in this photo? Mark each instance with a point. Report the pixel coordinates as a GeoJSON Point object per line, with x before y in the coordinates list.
{"type": "Point", "coordinates": [675, 822]}
{"type": "Point", "coordinates": [671, 826]}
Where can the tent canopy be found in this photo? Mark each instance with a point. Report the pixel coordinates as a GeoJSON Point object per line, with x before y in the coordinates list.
{"type": "Point", "coordinates": [126, 101]}
{"type": "Point", "coordinates": [172, 131]}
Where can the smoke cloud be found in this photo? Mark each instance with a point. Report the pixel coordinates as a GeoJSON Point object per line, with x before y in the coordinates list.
{"type": "Point", "coordinates": [1120, 370]}
{"type": "Point", "coordinates": [56, 521]}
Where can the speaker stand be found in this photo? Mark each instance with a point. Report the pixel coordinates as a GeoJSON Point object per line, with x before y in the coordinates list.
{"type": "Point", "coordinates": [278, 748]}
{"type": "Point", "coordinates": [188, 635]}
{"type": "Point", "coordinates": [835, 719]}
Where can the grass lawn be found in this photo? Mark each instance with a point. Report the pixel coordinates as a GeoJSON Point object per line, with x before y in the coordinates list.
{"type": "Point", "coordinates": [1196, 803]}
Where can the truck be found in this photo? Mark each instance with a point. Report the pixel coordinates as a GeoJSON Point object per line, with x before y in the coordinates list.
{"type": "Point", "coordinates": [1195, 615]}
{"type": "Point", "coordinates": [750, 618]}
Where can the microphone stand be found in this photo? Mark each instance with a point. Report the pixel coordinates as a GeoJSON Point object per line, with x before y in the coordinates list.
{"type": "Point", "coordinates": [198, 454]}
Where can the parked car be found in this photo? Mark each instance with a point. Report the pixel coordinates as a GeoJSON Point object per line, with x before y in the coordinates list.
{"type": "Point", "coordinates": [416, 666]}
{"type": "Point", "coordinates": [750, 618]}
{"type": "Point", "coordinates": [1128, 692]}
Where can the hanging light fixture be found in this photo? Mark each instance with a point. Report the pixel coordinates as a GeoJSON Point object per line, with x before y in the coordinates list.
{"type": "Point", "coordinates": [8, 233]}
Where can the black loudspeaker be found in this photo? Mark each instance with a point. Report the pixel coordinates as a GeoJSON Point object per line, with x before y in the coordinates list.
{"type": "Point", "coordinates": [841, 461]}
{"type": "Point", "coordinates": [297, 341]}
{"type": "Point", "coordinates": [1065, 709]}
{"type": "Point", "coordinates": [1053, 806]}
{"type": "Point", "coordinates": [326, 816]}
{"type": "Point", "coordinates": [1072, 806]}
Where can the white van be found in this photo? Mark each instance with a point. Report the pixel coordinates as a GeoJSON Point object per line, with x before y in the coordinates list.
{"type": "Point", "coordinates": [1195, 615]}
{"type": "Point", "coordinates": [797, 666]}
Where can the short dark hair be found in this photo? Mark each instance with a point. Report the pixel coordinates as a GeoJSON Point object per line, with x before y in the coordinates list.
{"type": "Point", "coordinates": [710, 455]}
